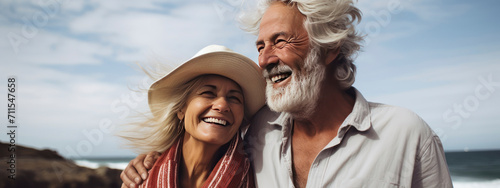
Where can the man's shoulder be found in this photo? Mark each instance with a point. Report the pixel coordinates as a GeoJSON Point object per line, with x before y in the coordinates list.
{"type": "Point", "coordinates": [386, 110]}
{"type": "Point", "coordinates": [267, 125]}
{"type": "Point", "coordinates": [264, 116]}
{"type": "Point", "coordinates": [264, 131]}
{"type": "Point", "coordinates": [397, 118]}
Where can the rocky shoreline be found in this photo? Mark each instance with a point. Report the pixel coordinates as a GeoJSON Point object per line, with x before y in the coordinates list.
{"type": "Point", "coordinates": [47, 169]}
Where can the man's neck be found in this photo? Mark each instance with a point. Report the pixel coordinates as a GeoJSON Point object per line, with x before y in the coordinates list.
{"type": "Point", "coordinates": [332, 109]}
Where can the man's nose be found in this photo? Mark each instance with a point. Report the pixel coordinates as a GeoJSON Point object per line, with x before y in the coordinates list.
{"type": "Point", "coordinates": [267, 57]}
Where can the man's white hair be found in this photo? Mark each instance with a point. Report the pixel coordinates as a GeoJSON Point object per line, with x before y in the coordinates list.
{"type": "Point", "coordinates": [330, 25]}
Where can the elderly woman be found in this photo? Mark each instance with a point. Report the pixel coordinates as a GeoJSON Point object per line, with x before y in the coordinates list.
{"type": "Point", "coordinates": [198, 110]}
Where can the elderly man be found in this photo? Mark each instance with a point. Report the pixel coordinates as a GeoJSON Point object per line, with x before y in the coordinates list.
{"type": "Point", "coordinates": [319, 131]}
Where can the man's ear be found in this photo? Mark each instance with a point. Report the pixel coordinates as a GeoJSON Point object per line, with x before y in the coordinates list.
{"type": "Point", "coordinates": [331, 55]}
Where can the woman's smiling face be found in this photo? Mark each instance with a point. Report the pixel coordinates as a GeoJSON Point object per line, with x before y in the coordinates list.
{"type": "Point", "coordinates": [214, 111]}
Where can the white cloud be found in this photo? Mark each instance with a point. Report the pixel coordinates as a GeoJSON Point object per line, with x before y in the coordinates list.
{"type": "Point", "coordinates": [175, 34]}
{"type": "Point", "coordinates": [382, 22]}
{"type": "Point", "coordinates": [58, 97]}
{"type": "Point", "coordinates": [435, 11]}
{"type": "Point", "coordinates": [73, 6]}
{"type": "Point", "coordinates": [55, 108]}
{"type": "Point", "coordinates": [460, 68]}
{"type": "Point", "coordinates": [51, 49]}
{"type": "Point", "coordinates": [427, 10]}
{"type": "Point", "coordinates": [122, 31]}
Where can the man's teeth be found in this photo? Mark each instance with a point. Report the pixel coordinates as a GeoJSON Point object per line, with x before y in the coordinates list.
{"type": "Point", "coordinates": [279, 77]}
{"type": "Point", "coordinates": [215, 120]}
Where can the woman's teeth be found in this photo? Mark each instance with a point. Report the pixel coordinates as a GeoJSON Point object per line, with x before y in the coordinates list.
{"type": "Point", "coordinates": [216, 121]}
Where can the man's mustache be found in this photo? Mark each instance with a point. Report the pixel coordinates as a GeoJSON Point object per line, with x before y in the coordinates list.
{"type": "Point", "coordinates": [276, 69]}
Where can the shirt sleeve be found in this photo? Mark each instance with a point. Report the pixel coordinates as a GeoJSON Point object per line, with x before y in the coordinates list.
{"type": "Point", "coordinates": [430, 168]}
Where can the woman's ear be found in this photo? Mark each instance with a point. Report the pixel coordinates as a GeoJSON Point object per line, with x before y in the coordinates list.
{"type": "Point", "coordinates": [180, 115]}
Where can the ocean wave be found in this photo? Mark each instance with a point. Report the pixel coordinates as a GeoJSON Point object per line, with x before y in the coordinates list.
{"type": "Point", "coordinates": [477, 184]}
{"type": "Point", "coordinates": [93, 164]}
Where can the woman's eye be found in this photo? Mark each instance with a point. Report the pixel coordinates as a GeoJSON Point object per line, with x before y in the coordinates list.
{"type": "Point", "coordinates": [207, 93]}
{"type": "Point", "coordinates": [235, 99]}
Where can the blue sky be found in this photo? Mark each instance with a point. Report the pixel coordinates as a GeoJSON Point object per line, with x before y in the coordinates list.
{"type": "Point", "coordinates": [76, 64]}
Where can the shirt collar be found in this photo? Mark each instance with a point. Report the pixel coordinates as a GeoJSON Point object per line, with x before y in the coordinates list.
{"type": "Point", "coordinates": [283, 119]}
{"type": "Point", "coordinates": [359, 118]}
{"type": "Point", "coordinates": [360, 115]}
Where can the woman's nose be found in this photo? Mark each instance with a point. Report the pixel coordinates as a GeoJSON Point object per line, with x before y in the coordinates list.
{"type": "Point", "coordinates": [221, 105]}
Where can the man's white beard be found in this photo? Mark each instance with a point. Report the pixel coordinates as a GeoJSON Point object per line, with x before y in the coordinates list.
{"type": "Point", "coordinates": [300, 96]}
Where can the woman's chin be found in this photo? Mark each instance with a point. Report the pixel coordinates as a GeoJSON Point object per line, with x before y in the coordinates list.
{"type": "Point", "coordinates": [212, 138]}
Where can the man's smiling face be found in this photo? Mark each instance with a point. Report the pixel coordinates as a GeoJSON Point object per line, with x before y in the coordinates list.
{"type": "Point", "coordinates": [282, 41]}
{"type": "Point", "coordinates": [292, 72]}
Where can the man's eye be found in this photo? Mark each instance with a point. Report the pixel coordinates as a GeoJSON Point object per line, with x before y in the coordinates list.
{"type": "Point", "coordinates": [259, 48]}
{"type": "Point", "coordinates": [280, 43]}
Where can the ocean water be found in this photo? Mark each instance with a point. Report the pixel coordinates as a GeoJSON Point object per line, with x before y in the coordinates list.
{"type": "Point", "coordinates": [116, 163]}
{"type": "Point", "coordinates": [474, 169]}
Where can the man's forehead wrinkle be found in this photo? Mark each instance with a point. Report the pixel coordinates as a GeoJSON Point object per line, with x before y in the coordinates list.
{"type": "Point", "coordinates": [274, 37]}
{"type": "Point", "coordinates": [281, 21]}
{"type": "Point", "coordinates": [278, 34]}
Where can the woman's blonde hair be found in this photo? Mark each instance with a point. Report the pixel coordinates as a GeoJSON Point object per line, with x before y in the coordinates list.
{"type": "Point", "coordinates": [158, 133]}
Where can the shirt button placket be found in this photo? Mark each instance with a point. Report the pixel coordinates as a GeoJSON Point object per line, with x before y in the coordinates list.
{"type": "Point", "coordinates": [315, 172]}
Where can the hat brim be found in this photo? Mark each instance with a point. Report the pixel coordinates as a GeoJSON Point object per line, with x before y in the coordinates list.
{"type": "Point", "coordinates": [232, 65]}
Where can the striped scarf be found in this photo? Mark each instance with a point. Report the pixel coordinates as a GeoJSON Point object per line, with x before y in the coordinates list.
{"type": "Point", "coordinates": [232, 170]}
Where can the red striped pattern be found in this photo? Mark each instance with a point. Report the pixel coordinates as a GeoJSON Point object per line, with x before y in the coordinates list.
{"type": "Point", "coordinates": [232, 170]}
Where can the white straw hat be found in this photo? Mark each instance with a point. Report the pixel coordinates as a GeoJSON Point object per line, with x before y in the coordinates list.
{"type": "Point", "coordinates": [219, 60]}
